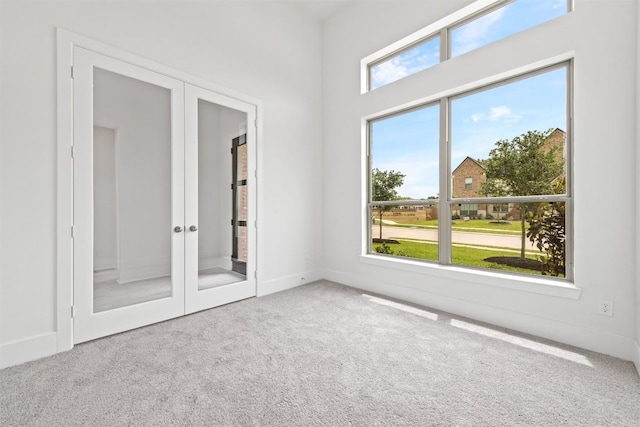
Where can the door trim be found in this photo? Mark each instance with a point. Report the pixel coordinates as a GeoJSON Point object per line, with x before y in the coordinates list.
{"type": "Point", "coordinates": [65, 43]}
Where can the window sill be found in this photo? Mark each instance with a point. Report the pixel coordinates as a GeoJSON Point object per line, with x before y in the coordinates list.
{"type": "Point", "coordinates": [535, 285]}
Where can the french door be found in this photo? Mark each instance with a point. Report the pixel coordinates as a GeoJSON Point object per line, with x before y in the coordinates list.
{"type": "Point", "coordinates": [214, 202]}
{"type": "Point", "coordinates": [150, 206]}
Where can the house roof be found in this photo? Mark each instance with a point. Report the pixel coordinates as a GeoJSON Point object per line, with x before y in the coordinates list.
{"type": "Point", "coordinates": [462, 162]}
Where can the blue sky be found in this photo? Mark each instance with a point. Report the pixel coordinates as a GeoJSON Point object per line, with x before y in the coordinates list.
{"type": "Point", "coordinates": [409, 142]}
{"type": "Point", "coordinates": [501, 23]}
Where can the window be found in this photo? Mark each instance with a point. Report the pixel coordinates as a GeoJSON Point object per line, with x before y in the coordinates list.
{"type": "Point", "coordinates": [468, 183]}
{"type": "Point", "coordinates": [505, 154]}
{"type": "Point", "coordinates": [404, 173]}
{"type": "Point", "coordinates": [477, 26]}
{"type": "Point", "coordinates": [506, 20]}
{"type": "Point", "coordinates": [416, 58]}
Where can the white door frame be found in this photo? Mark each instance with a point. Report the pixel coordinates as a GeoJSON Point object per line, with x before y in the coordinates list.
{"type": "Point", "coordinates": [66, 41]}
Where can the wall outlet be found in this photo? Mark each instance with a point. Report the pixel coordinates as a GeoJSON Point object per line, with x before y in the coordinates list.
{"type": "Point", "coordinates": [605, 308]}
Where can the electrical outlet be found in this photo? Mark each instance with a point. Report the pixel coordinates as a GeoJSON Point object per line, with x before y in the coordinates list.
{"type": "Point", "coordinates": [605, 308]}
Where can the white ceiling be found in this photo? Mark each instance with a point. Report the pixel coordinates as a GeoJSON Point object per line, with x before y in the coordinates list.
{"type": "Point", "coordinates": [320, 9]}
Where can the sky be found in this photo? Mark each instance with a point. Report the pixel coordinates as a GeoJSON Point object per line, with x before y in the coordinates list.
{"type": "Point", "coordinates": [408, 142]}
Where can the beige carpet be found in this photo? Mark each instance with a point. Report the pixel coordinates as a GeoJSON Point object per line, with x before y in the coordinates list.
{"type": "Point", "coordinates": [323, 355]}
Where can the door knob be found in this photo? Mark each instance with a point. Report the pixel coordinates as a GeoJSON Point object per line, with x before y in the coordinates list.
{"type": "Point", "coordinates": [177, 229]}
{"type": "Point", "coordinates": [193, 228]}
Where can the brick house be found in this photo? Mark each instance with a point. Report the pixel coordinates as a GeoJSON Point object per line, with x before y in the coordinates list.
{"type": "Point", "coordinates": [467, 178]}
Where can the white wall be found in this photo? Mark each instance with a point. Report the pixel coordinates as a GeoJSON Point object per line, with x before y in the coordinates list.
{"type": "Point", "coordinates": [266, 50]}
{"type": "Point", "coordinates": [604, 41]}
{"type": "Point", "coordinates": [637, 254]}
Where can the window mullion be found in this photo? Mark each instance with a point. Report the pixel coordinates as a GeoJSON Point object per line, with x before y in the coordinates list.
{"type": "Point", "coordinates": [444, 44]}
{"type": "Point", "coordinates": [444, 209]}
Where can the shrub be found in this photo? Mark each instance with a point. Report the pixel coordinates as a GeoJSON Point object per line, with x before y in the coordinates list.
{"type": "Point", "coordinates": [384, 249]}
{"type": "Point", "coordinates": [547, 231]}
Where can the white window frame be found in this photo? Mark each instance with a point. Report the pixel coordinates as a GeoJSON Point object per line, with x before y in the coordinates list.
{"type": "Point", "coordinates": [543, 284]}
{"type": "Point", "coordinates": [441, 28]}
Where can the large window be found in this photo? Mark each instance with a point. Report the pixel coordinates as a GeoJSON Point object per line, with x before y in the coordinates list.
{"type": "Point", "coordinates": [453, 36]}
{"type": "Point", "coordinates": [478, 179]}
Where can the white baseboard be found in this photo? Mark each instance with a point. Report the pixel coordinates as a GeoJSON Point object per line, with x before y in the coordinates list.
{"type": "Point", "coordinates": [636, 355]}
{"type": "Point", "coordinates": [282, 284]}
{"type": "Point", "coordinates": [578, 336]}
{"type": "Point", "coordinates": [27, 349]}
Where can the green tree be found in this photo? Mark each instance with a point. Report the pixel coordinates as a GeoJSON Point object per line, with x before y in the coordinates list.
{"type": "Point", "coordinates": [383, 188]}
{"type": "Point", "coordinates": [523, 166]}
{"type": "Point", "coordinates": [547, 231]}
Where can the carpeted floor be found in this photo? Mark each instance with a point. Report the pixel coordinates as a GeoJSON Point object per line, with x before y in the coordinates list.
{"type": "Point", "coordinates": [325, 355]}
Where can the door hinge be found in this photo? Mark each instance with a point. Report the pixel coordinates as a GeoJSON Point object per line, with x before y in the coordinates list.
{"type": "Point", "coordinates": [72, 73]}
{"type": "Point", "coordinates": [73, 151]}
{"type": "Point", "coordinates": [73, 311]}
{"type": "Point", "coordinates": [255, 274]}
{"type": "Point", "coordinates": [255, 173]}
{"type": "Point", "coordinates": [255, 123]}
{"type": "Point", "coordinates": [73, 232]}
{"type": "Point", "coordinates": [255, 224]}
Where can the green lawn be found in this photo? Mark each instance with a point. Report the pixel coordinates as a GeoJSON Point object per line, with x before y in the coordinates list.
{"type": "Point", "coordinates": [465, 256]}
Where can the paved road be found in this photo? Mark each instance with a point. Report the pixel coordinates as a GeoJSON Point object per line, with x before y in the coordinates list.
{"type": "Point", "coordinates": [462, 237]}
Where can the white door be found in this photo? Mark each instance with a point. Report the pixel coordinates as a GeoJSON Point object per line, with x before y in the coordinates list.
{"type": "Point", "coordinates": [129, 204]}
{"type": "Point", "coordinates": [220, 210]}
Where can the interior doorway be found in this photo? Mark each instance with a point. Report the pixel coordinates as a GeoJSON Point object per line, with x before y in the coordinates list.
{"type": "Point", "coordinates": [159, 196]}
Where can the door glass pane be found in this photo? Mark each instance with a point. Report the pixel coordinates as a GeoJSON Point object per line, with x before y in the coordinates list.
{"type": "Point", "coordinates": [222, 184]}
{"type": "Point", "coordinates": [131, 191]}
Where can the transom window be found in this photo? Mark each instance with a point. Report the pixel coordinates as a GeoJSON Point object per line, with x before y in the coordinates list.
{"type": "Point", "coordinates": [485, 23]}
{"type": "Point", "coordinates": [480, 179]}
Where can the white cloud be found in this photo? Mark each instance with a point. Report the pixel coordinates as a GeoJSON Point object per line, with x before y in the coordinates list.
{"type": "Point", "coordinates": [500, 113]}
{"type": "Point", "coordinates": [388, 72]}
{"type": "Point", "coordinates": [405, 64]}
{"type": "Point", "coordinates": [473, 35]}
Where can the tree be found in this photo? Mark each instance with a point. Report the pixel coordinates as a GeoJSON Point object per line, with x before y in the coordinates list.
{"type": "Point", "coordinates": [383, 188]}
{"type": "Point", "coordinates": [547, 231]}
{"type": "Point", "coordinates": [523, 166]}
